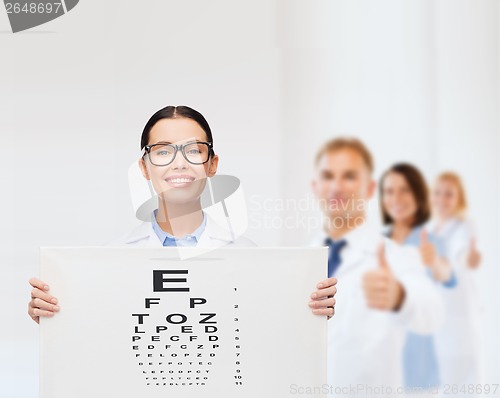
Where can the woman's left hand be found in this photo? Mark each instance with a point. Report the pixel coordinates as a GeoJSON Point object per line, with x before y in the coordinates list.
{"type": "Point", "coordinates": [427, 250]}
{"type": "Point", "coordinates": [322, 300]}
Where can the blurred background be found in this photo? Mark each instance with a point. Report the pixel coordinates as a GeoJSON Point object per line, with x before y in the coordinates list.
{"type": "Point", "coordinates": [417, 81]}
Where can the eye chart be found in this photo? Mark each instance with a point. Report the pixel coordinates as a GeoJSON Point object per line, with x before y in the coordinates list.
{"type": "Point", "coordinates": [141, 322]}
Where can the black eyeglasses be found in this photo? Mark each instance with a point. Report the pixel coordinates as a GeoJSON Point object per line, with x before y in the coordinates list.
{"type": "Point", "coordinates": [164, 154]}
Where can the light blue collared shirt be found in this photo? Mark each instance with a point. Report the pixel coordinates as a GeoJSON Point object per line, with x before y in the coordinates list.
{"type": "Point", "coordinates": [188, 240]}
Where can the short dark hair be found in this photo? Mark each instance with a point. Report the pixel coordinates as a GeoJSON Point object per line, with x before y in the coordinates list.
{"type": "Point", "coordinates": [418, 187]}
{"type": "Point", "coordinates": [354, 144]}
{"type": "Point", "coordinates": [175, 112]}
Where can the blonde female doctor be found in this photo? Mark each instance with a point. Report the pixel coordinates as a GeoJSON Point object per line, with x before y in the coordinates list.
{"type": "Point", "coordinates": [459, 342]}
{"type": "Point", "coordinates": [178, 157]}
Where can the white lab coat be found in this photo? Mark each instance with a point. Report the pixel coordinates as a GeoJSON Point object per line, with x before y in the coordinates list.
{"type": "Point", "coordinates": [458, 343]}
{"type": "Point", "coordinates": [212, 236]}
{"type": "Point", "coordinates": [364, 345]}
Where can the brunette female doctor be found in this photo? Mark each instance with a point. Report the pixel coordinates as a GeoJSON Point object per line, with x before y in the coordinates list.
{"type": "Point", "coordinates": [178, 157]}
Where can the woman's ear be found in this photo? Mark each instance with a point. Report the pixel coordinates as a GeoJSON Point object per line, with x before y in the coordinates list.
{"type": "Point", "coordinates": [144, 169]}
{"type": "Point", "coordinates": [212, 168]}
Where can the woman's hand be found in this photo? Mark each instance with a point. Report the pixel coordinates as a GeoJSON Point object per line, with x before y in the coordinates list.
{"type": "Point", "coordinates": [473, 256]}
{"type": "Point", "coordinates": [427, 250]}
{"type": "Point", "coordinates": [439, 266]}
{"type": "Point", "coordinates": [41, 303]}
{"type": "Point", "coordinates": [322, 300]}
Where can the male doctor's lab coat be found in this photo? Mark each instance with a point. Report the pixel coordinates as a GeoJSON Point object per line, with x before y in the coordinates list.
{"type": "Point", "coordinates": [365, 345]}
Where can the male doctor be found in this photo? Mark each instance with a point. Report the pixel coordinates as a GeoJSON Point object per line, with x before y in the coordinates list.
{"type": "Point", "coordinates": [383, 290]}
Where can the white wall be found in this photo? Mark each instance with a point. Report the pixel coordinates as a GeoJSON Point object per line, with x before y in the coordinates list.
{"type": "Point", "coordinates": [74, 99]}
{"type": "Point", "coordinates": [467, 139]}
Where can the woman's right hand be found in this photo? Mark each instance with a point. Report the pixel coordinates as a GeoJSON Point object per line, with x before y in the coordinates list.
{"type": "Point", "coordinates": [41, 303]}
{"type": "Point", "coordinates": [474, 256]}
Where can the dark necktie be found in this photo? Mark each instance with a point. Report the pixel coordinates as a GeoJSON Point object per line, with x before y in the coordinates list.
{"type": "Point", "coordinates": [334, 254]}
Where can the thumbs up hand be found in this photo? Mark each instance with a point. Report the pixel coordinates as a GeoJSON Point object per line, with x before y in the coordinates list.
{"type": "Point", "coordinates": [439, 266]}
{"type": "Point", "coordinates": [427, 250]}
{"type": "Point", "coordinates": [474, 256]}
{"type": "Point", "coordinates": [382, 290]}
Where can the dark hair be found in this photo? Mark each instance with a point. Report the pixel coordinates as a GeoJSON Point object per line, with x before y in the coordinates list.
{"type": "Point", "coordinates": [354, 144]}
{"type": "Point", "coordinates": [175, 112]}
{"type": "Point", "coordinates": [418, 186]}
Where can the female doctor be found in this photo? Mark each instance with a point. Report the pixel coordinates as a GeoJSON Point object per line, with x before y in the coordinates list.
{"type": "Point", "coordinates": [405, 209]}
{"type": "Point", "coordinates": [459, 345]}
{"type": "Point", "coordinates": [178, 158]}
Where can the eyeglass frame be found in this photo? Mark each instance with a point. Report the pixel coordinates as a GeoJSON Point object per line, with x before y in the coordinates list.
{"type": "Point", "coordinates": [180, 147]}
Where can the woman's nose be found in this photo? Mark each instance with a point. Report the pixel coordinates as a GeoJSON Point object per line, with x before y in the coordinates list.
{"type": "Point", "coordinates": [179, 161]}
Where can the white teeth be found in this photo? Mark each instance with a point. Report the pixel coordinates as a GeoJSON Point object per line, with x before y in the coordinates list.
{"type": "Point", "coordinates": [180, 180]}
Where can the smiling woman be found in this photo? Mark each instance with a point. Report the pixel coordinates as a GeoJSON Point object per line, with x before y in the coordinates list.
{"type": "Point", "coordinates": [405, 208]}
{"type": "Point", "coordinates": [178, 159]}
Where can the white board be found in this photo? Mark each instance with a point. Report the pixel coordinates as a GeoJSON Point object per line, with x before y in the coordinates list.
{"type": "Point", "coordinates": [236, 324]}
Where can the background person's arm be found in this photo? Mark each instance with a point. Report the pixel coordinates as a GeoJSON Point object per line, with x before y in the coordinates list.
{"type": "Point", "coordinates": [422, 310]}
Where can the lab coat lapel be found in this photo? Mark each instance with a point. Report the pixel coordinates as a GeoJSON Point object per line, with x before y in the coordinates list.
{"type": "Point", "coordinates": [214, 235]}
{"type": "Point", "coordinates": [344, 267]}
{"type": "Point", "coordinates": [144, 235]}
{"type": "Point", "coordinates": [360, 245]}
{"type": "Point", "coordinates": [350, 262]}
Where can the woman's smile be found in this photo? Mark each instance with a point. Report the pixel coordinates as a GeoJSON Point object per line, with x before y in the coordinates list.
{"type": "Point", "coordinates": [180, 180]}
